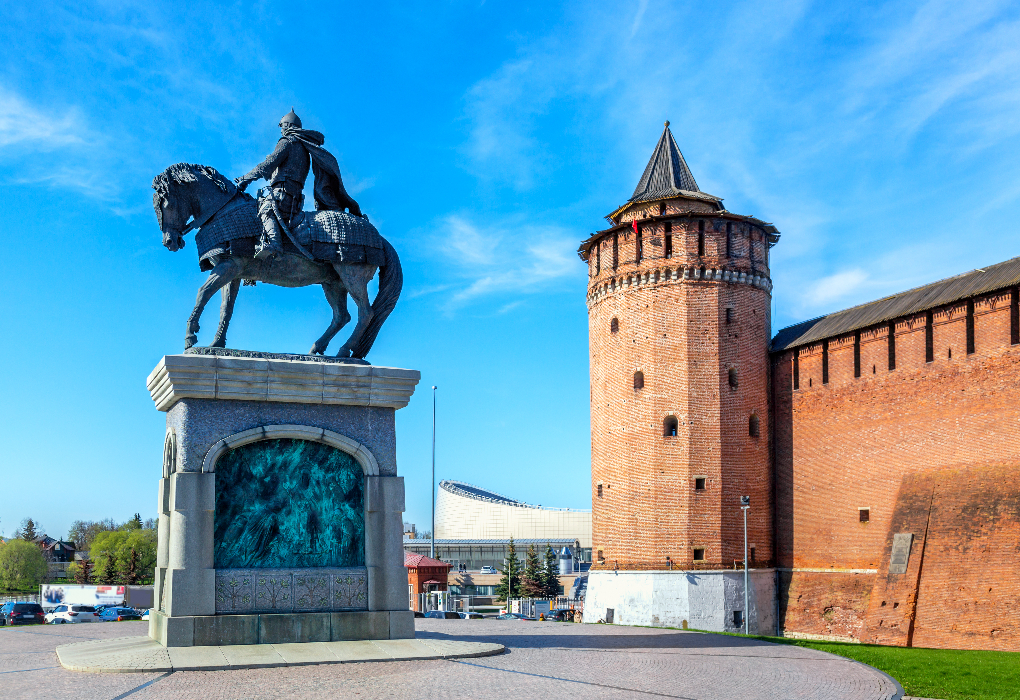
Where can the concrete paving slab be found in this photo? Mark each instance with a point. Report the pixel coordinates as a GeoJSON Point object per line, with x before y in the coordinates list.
{"type": "Point", "coordinates": [125, 655]}
{"type": "Point", "coordinates": [141, 654]}
{"type": "Point", "coordinates": [197, 659]}
{"type": "Point", "coordinates": [253, 655]}
{"type": "Point", "coordinates": [299, 653]}
{"type": "Point", "coordinates": [364, 650]}
{"type": "Point", "coordinates": [407, 649]}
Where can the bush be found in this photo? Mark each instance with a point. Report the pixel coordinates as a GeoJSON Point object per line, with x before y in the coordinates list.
{"type": "Point", "coordinates": [22, 566]}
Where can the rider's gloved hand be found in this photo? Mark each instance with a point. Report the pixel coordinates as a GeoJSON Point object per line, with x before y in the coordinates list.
{"type": "Point", "coordinates": [241, 183]}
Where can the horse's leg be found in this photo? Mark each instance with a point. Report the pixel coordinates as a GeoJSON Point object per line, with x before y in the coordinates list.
{"type": "Point", "coordinates": [336, 295]}
{"type": "Point", "coordinates": [226, 270]}
{"type": "Point", "coordinates": [356, 279]}
{"type": "Point", "coordinates": [229, 292]}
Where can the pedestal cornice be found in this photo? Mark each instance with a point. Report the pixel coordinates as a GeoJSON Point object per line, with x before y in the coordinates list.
{"type": "Point", "coordinates": [258, 377]}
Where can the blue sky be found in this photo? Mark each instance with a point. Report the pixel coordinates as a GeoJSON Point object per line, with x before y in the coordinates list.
{"type": "Point", "coordinates": [485, 140]}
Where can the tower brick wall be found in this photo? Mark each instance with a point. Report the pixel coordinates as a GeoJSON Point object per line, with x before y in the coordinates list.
{"type": "Point", "coordinates": [684, 320]}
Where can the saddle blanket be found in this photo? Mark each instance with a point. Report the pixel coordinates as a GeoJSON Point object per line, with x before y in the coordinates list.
{"type": "Point", "coordinates": [331, 236]}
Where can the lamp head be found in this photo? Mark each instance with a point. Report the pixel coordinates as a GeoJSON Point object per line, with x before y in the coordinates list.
{"type": "Point", "coordinates": [745, 500]}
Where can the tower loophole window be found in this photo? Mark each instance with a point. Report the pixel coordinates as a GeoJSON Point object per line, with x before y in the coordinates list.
{"type": "Point", "coordinates": [662, 208]}
{"type": "Point", "coordinates": [614, 325]}
{"type": "Point", "coordinates": [699, 483]}
{"type": "Point", "coordinates": [752, 426]}
{"type": "Point", "coordinates": [864, 514]}
{"type": "Point", "coordinates": [733, 378]}
{"type": "Point", "coordinates": [699, 554]}
{"type": "Point", "coordinates": [669, 426]}
{"type": "Point", "coordinates": [639, 380]}
{"type": "Point", "coordinates": [600, 490]}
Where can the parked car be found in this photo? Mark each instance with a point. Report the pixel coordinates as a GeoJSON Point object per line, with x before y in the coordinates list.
{"type": "Point", "coordinates": [513, 616]}
{"type": "Point", "coordinates": [145, 615]}
{"type": "Point", "coordinates": [443, 614]}
{"type": "Point", "coordinates": [113, 614]}
{"type": "Point", "coordinates": [418, 613]}
{"type": "Point", "coordinates": [488, 570]}
{"type": "Point", "coordinates": [560, 616]}
{"type": "Point", "coordinates": [12, 613]}
{"type": "Point", "coordinates": [471, 616]}
{"type": "Point", "coordinates": [68, 613]}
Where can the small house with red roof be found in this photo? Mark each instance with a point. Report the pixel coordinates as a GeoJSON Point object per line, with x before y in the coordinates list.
{"type": "Point", "coordinates": [424, 575]}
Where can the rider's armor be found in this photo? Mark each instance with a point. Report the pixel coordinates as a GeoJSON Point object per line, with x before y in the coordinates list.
{"type": "Point", "coordinates": [286, 169]}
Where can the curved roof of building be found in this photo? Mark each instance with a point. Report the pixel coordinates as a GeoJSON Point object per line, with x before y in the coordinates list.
{"type": "Point", "coordinates": [459, 488]}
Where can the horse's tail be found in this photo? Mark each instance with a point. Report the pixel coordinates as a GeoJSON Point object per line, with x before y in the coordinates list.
{"type": "Point", "coordinates": [391, 281]}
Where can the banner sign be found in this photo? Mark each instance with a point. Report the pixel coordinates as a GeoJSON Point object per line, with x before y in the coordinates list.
{"type": "Point", "coordinates": [54, 594]}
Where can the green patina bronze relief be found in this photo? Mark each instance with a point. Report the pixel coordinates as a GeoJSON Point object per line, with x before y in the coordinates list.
{"type": "Point", "coordinates": [289, 504]}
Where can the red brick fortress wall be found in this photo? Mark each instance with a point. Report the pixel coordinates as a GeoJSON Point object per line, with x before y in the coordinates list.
{"type": "Point", "coordinates": [904, 440]}
{"type": "Point", "coordinates": [686, 314]}
{"type": "Point", "coordinates": [960, 589]}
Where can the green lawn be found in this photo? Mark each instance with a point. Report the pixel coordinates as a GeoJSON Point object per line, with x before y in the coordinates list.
{"type": "Point", "coordinates": [946, 674]}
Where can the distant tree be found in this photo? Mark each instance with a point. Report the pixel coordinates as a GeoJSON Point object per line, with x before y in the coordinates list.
{"type": "Point", "coordinates": [82, 532]}
{"type": "Point", "coordinates": [111, 552]}
{"type": "Point", "coordinates": [29, 531]}
{"type": "Point", "coordinates": [551, 573]}
{"type": "Point", "coordinates": [423, 535]}
{"type": "Point", "coordinates": [22, 566]}
{"type": "Point", "coordinates": [150, 524]}
{"type": "Point", "coordinates": [510, 582]}
{"type": "Point", "coordinates": [531, 580]}
{"type": "Point", "coordinates": [135, 523]}
{"type": "Point", "coordinates": [81, 570]}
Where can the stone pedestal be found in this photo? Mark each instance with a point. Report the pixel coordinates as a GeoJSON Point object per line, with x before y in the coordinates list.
{"type": "Point", "coordinates": [308, 544]}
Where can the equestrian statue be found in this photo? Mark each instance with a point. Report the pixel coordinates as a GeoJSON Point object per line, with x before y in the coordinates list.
{"type": "Point", "coordinates": [273, 240]}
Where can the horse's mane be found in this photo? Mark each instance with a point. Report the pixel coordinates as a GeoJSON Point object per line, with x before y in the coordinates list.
{"type": "Point", "coordinates": [180, 173]}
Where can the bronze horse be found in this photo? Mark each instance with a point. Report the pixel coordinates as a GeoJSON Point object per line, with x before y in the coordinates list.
{"type": "Point", "coordinates": [215, 204]}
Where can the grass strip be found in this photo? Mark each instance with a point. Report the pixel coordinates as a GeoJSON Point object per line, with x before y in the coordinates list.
{"type": "Point", "coordinates": [946, 674]}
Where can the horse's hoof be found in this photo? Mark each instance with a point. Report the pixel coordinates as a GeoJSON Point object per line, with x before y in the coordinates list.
{"type": "Point", "coordinates": [219, 343]}
{"type": "Point", "coordinates": [190, 343]}
{"type": "Point", "coordinates": [344, 352]}
{"type": "Point", "coordinates": [315, 350]}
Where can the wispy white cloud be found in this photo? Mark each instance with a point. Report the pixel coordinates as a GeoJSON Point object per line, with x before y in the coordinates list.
{"type": "Point", "coordinates": [826, 291]}
{"type": "Point", "coordinates": [26, 125]}
{"type": "Point", "coordinates": [505, 258]}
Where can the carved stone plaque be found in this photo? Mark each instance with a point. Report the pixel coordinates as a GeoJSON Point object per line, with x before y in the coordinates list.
{"type": "Point", "coordinates": [901, 542]}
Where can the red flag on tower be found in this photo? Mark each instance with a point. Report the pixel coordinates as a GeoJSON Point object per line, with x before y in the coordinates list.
{"type": "Point", "coordinates": [634, 226]}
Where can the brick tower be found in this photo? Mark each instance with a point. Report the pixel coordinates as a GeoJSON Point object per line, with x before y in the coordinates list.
{"type": "Point", "coordinates": [679, 326]}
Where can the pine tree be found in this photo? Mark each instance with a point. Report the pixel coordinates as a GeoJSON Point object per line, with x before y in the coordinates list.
{"type": "Point", "coordinates": [510, 583]}
{"type": "Point", "coordinates": [531, 581]}
{"type": "Point", "coordinates": [551, 573]}
{"type": "Point", "coordinates": [134, 523]}
{"type": "Point", "coordinates": [130, 577]}
{"type": "Point", "coordinates": [83, 571]}
{"type": "Point", "coordinates": [106, 572]}
{"type": "Point", "coordinates": [28, 531]}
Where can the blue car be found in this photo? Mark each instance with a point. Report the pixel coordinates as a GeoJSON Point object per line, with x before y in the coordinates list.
{"type": "Point", "coordinates": [119, 614]}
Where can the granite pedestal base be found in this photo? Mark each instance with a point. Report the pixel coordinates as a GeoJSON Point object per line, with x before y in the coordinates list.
{"type": "Point", "coordinates": [280, 504]}
{"type": "Point", "coordinates": [287, 628]}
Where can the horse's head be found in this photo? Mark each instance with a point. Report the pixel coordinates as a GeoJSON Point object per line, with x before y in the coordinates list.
{"type": "Point", "coordinates": [184, 190]}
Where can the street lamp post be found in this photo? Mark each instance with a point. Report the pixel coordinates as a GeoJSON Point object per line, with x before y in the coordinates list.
{"type": "Point", "coordinates": [432, 539]}
{"type": "Point", "coordinates": [745, 505]}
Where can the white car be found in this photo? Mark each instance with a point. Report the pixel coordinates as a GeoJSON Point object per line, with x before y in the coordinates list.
{"type": "Point", "coordinates": [488, 570]}
{"type": "Point", "coordinates": [65, 613]}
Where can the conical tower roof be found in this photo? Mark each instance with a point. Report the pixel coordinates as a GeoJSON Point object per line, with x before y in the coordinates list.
{"type": "Point", "coordinates": [666, 174]}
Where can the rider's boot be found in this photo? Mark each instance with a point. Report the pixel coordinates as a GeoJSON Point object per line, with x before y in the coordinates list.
{"type": "Point", "coordinates": [269, 244]}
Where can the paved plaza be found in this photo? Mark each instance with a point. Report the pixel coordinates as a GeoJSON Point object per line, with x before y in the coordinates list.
{"type": "Point", "coordinates": [542, 658]}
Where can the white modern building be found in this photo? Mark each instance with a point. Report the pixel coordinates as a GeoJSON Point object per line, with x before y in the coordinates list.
{"type": "Point", "coordinates": [466, 512]}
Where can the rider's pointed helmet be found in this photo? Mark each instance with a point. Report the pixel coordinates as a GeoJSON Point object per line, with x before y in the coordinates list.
{"type": "Point", "coordinates": [291, 119]}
